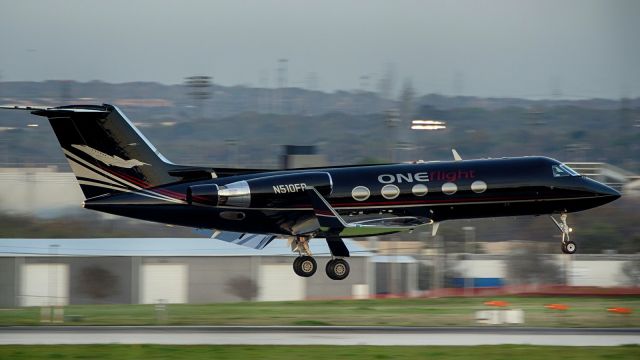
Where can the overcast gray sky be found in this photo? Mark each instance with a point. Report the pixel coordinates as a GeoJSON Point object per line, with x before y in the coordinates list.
{"type": "Point", "coordinates": [581, 48]}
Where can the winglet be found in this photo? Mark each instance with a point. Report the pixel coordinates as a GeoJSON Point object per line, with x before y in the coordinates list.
{"type": "Point", "coordinates": [434, 228]}
{"type": "Point", "coordinates": [456, 156]}
{"type": "Point", "coordinates": [327, 216]}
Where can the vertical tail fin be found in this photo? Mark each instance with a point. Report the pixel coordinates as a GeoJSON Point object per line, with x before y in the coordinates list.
{"type": "Point", "coordinates": [105, 150]}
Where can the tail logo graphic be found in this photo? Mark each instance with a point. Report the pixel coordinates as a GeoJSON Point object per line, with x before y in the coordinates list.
{"type": "Point", "coordinates": [110, 160]}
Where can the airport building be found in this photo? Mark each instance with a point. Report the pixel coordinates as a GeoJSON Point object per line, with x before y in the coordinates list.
{"type": "Point", "coordinates": [37, 272]}
{"type": "Point", "coordinates": [42, 272]}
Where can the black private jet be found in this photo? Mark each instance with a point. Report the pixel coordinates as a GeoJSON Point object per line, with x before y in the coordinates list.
{"type": "Point", "coordinates": [120, 172]}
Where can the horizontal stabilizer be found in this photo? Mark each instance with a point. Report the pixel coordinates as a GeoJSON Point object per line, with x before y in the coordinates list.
{"type": "Point", "coordinates": [24, 108]}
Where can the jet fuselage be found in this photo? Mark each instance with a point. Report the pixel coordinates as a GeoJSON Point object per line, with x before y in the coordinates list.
{"type": "Point", "coordinates": [434, 191]}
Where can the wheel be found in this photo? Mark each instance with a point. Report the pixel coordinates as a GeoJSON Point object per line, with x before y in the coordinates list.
{"type": "Point", "coordinates": [296, 266]}
{"type": "Point", "coordinates": [305, 266]}
{"type": "Point", "coordinates": [337, 269]}
{"type": "Point", "coordinates": [329, 268]}
{"type": "Point", "coordinates": [569, 247]}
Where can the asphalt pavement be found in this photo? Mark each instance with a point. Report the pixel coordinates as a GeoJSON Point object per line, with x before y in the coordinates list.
{"type": "Point", "coordinates": [315, 335]}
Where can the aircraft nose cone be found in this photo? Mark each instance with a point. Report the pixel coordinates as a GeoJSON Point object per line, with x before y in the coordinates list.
{"type": "Point", "coordinates": [612, 193]}
{"type": "Point", "coordinates": [606, 191]}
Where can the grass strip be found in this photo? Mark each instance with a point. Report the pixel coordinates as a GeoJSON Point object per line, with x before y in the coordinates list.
{"type": "Point", "coordinates": [489, 352]}
{"type": "Point", "coordinates": [582, 312]}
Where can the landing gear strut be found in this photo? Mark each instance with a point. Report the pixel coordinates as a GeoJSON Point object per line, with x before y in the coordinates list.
{"type": "Point", "coordinates": [568, 246]}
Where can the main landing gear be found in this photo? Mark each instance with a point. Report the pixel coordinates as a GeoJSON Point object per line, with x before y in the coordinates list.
{"type": "Point", "coordinates": [337, 269]}
{"type": "Point", "coordinates": [305, 265]}
{"type": "Point", "coordinates": [567, 246]}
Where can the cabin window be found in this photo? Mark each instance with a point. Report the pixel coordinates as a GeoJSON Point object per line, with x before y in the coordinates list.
{"type": "Point", "coordinates": [563, 170]}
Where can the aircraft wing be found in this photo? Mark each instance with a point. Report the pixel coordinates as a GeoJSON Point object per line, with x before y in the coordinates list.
{"type": "Point", "coordinates": [331, 221]}
{"type": "Point", "coordinates": [255, 241]}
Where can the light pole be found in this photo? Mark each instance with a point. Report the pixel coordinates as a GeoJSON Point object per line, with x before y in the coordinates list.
{"type": "Point", "coordinates": [391, 122]}
{"type": "Point", "coordinates": [439, 263]}
{"type": "Point", "coordinates": [53, 275]}
{"type": "Point", "coordinates": [427, 125]}
{"type": "Point", "coordinates": [199, 90]}
{"type": "Point", "coordinates": [232, 150]}
{"type": "Point", "coordinates": [469, 238]}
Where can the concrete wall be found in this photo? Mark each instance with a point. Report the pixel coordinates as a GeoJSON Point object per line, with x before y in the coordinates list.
{"type": "Point", "coordinates": [483, 268]}
{"type": "Point", "coordinates": [210, 278]}
{"type": "Point", "coordinates": [39, 191]}
{"type": "Point", "coordinates": [277, 284]}
{"type": "Point", "coordinates": [596, 273]}
{"type": "Point", "coordinates": [583, 269]}
{"type": "Point", "coordinates": [106, 280]}
{"type": "Point", "coordinates": [44, 284]}
{"type": "Point", "coordinates": [319, 286]}
{"type": "Point", "coordinates": [97, 280]}
{"type": "Point", "coordinates": [8, 282]}
{"type": "Point", "coordinates": [116, 280]}
{"type": "Point", "coordinates": [399, 278]}
{"type": "Point", "coordinates": [163, 283]}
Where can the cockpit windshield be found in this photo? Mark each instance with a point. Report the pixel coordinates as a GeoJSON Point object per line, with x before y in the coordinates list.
{"type": "Point", "coordinates": [563, 170]}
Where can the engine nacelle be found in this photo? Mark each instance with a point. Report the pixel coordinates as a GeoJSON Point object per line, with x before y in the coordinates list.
{"type": "Point", "coordinates": [263, 192]}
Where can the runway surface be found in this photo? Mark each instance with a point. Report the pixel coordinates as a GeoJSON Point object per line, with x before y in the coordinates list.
{"type": "Point", "coordinates": [314, 335]}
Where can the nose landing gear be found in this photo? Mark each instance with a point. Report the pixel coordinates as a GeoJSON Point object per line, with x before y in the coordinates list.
{"type": "Point", "coordinates": [567, 246]}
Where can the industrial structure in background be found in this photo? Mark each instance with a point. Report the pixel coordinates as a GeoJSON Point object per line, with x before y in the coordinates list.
{"type": "Point", "coordinates": [150, 270]}
{"type": "Point", "coordinates": [58, 272]}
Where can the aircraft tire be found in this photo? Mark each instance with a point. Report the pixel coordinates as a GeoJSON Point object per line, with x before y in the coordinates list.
{"type": "Point", "coordinates": [296, 266]}
{"type": "Point", "coordinates": [328, 269]}
{"type": "Point", "coordinates": [337, 269]}
{"type": "Point", "coordinates": [305, 266]}
{"type": "Point", "coordinates": [569, 247]}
